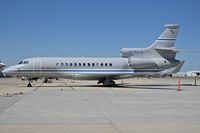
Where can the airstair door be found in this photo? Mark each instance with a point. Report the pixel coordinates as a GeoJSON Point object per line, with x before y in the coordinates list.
{"type": "Point", "coordinates": [37, 68]}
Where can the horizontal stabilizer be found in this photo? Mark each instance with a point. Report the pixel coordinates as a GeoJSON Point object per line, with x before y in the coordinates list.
{"type": "Point", "coordinates": [191, 51]}
{"type": "Point", "coordinates": [173, 49]}
{"type": "Point", "coordinates": [168, 53]}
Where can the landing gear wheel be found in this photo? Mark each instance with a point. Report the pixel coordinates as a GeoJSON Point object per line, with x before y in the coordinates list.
{"type": "Point", "coordinates": [29, 85]}
{"type": "Point", "coordinates": [109, 83]}
{"type": "Point", "coordinates": [45, 80]}
{"type": "Point", "coordinates": [112, 83]}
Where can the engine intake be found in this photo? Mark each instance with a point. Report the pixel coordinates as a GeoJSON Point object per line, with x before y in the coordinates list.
{"type": "Point", "coordinates": [126, 52]}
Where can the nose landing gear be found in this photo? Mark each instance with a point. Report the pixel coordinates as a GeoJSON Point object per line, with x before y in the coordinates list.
{"type": "Point", "coordinates": [29, 83]}
{"type": "Point", "coordinates": [30, 80]}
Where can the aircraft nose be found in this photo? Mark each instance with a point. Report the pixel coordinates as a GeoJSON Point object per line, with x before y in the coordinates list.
{"type": "Point", "coordinates": [5, 72]}
{"type": "Point", "coordinates": [8, 71]}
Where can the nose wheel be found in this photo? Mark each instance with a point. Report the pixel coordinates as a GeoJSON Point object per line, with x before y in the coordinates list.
{"type": "Point", "coordinates": [110, 84]}
{"type": "Point", "coordinates": [29, 84]}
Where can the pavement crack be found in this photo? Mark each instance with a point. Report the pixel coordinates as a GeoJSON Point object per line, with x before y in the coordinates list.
{"type": "Point", "coordinates": [97, 109]}
{"type": "Point", "coordinates": [101, 112]}
{"type": "Point", "coordinates": [69, 85]}
{"type": "Point", "coordinates": [38, 87]}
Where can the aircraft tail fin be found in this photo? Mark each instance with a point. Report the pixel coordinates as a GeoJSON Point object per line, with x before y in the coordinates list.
{"type": "Point", "coordinates": [167, 38]}
{"type": "Point", "coordinates": [162, 47]}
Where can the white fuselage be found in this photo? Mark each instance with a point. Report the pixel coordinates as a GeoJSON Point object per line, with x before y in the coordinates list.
{"type": "Point", "coordinates": [73, 68]}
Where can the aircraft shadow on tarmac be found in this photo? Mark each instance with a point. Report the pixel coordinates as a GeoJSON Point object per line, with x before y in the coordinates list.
{"type": "Point", "coordinates": [124, 85]}
{"type": "Point", "coordinates": [149, 87]}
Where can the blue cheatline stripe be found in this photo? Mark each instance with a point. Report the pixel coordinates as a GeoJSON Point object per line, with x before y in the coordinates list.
{"type": "Point", "coordinates": [146, 70]}
{"type": "Point", "coordinates": [92, 70]}
{"type": "Point", "coordinates": [78, 70]}
{"type": "Point", "coordinates": [167, 39]}
{"type": "Point", "coordinates": [98, 70]}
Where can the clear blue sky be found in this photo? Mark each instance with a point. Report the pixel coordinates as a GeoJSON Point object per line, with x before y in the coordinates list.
{"type": "Point", "coordinates": [32, 28]}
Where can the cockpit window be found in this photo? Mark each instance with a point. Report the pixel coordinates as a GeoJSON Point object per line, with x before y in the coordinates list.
{"type": "Point", "coordinates": [20, 62]}
{"type": "Point", "coordinates": [25, 62]}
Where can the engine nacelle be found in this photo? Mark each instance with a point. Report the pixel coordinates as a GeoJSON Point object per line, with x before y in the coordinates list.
{"type": "Point", "coordinates": [165, 64]}
{"type": "Point", "coordinates": [154, 63]}
{"type": "Point", "coordinates": [126, 52]}
{"type": "Point", "coordinates": [162, 62]}
{"type": "Point", "coordinates": [139, 63]}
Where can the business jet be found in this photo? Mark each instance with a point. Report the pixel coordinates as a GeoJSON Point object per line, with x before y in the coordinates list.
{"type": "Point", "coordinates": [158, 58]}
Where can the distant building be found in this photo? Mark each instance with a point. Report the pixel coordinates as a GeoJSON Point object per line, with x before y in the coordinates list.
{"type": "Point", "coordinates": [187, 74]}
{"type": "Point", "coordinates": [193, 73]}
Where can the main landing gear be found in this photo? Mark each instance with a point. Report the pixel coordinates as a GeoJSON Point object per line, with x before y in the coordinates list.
{"type": "Point", "coordinates": [45, 80]}
{"type": "Point", "coordinates": [107, 82]}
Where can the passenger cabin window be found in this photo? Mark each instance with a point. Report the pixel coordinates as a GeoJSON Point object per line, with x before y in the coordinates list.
{"type": "Point", "coordinates": [83, 64]}
{"type": "Point", "coordinates": [93, 64]}
{"type": "Point", "coordinates": [57, 64]}
{"type": "Point", "coordinates": [66, 64]}
{"type": "Point", "coordinates": [20, 62]}
{"type": "Point", "coordinates": [110, 64]}
{"type": "Point", "coordinates": [106, 64]}
{"type": "Point", "coordinates": [70, 64]}
{"type": "Point", "coordinates": [62, 64]}
{"type": "Point", "coordinates": [101, 64]}
{"type": "Point", "coordinates": [75, 64]}
{"type": "Point", "coordinates": [79, 64]}
{"type": "Point", "coordinates": [88, 64]}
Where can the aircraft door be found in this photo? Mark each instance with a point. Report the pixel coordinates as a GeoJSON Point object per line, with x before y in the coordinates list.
{"type": "Point", "coordinates": [36, 67]}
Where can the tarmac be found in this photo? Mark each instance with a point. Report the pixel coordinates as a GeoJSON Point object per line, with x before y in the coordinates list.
{"type": "Point", "coordinates": [137, 105]}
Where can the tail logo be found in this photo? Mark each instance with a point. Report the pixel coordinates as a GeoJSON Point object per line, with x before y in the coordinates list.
{"type": "Point", "coordinates": [172, 31]}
